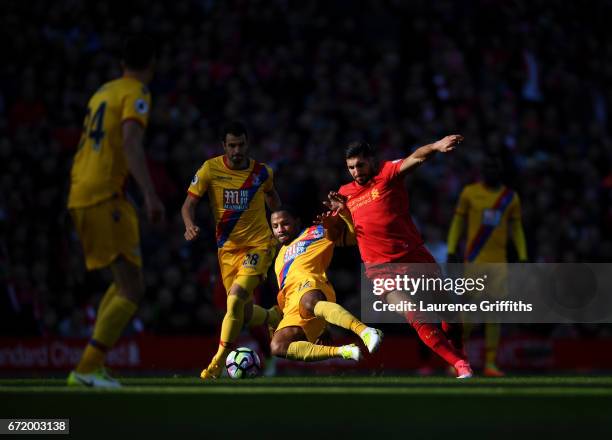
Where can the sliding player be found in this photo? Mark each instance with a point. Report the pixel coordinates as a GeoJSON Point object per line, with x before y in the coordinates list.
{"type": "Point", "coordinates": [306, 296]}
{"type": "Point", "coordinates": [238, 188]}
{"type": "Point", "coordinates": [489, 208]}
{"type": "Point", "coordinates": [378, 202]}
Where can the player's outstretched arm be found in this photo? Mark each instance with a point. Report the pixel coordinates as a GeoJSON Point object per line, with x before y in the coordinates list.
{"type": "Point", "coordinates": [349, 238]}
{"type": "Point", "coordinates": [272, 199]}
{"type": "Point", "coordinates": [192, 231]}
{"type": "Point", "coordinates": [133, 134]}
{"type": "Point", "coordinates": [421, 154]}
{"type": "Point", "coordinates": [336, 203]}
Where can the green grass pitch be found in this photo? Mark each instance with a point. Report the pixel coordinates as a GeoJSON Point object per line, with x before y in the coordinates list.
{"type": "Point", "coordinates": [323, 407]}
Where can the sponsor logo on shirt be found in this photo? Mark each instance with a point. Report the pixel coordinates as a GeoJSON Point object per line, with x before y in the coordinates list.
{"type": "Point", "coordinates": [235, 199]}
{"type": "Point", "coordinates": [297, 249]}
{"type": "Point", "coordinates": [363, 200]}
{"type": "Point", "coordinates": [294, 251]}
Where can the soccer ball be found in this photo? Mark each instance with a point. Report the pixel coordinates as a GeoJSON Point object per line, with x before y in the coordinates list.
{"type": "Point", "coordinates": [243, 363]}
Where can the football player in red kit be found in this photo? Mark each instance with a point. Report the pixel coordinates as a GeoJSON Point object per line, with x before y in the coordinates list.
{"type": "Point", "coordinates": [378, 201]}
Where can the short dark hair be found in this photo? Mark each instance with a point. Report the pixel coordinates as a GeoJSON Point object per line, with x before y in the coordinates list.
{"type": "Point", "coordinates": [288, 209]}
{"type": "Point", "coordinates": [138, 52]}
{"type": "Point", "coordinates": [359, 148]}
{"type": "Point", "coordinates": [237, 128]}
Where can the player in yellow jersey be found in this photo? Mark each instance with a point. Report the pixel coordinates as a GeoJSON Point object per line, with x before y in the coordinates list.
{"type": "Point", "coordinates": [306, 297]}
{"type": "Point", "coordinates": [110, 149]}
{"type": "Point", "coordinates": [491, 210]}
{"type": "Point", "coordinates": [239, 188]}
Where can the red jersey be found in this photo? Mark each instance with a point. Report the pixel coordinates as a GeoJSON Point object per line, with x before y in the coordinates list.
{"type": "Point", "coordinates": [383, 225]}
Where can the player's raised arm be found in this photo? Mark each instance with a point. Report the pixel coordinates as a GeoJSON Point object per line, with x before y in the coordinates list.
{"type": "Point", "coordinates": [349, 238]}
{"type": "Point", "coordinates": [133, 134]}
{"type": "Point", "coordinates": [421, 154]}
{"type": "Point", "coordinates": [337, 205]}
{"type": "Point", "coordinates": [335, 202]}
{"type": "Point", "coordinates": [192, 231]}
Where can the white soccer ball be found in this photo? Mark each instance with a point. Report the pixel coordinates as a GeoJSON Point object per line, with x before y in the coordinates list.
{"type": "Point", "coordinates": [243, 363]}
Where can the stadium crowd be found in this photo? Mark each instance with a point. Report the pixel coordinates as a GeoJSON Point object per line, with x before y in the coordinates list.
{"type": "Point", "coordinates": [524, 79]}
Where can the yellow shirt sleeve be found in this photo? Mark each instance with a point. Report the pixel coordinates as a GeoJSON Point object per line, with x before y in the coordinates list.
{"type": "Point", "coordinates": [463, 205]}
{"type": "Point", "coordinates": [136, 106]}
{"type": "Point", "coordinates": [269, 183]}
{"type": "Point", "coordinates": [516, 225]}
{"type": "Point", "coordinates": [518, 237]}
{"type": "Point", "coordinates": [199, 183]}
{"type": "Point", "coordinates": [348, 237]}
{"type": "Point", "coordinates": [454, 233]}
{"type": "Point", "coordinates": [514, 211]}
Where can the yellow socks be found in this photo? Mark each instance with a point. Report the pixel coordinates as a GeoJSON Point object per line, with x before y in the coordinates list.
{"type": "Point", "coordinates": [307, 351]}
{"type": "Point", "coordinates": [275, 315]}
{"type": "Point", "coordinates": [492, 334]}
{"type": "Point", "coordinates": [108, 295]}
{"type": "Point", "coordinates": [338, 315]}
{"type": "Point", "coordinates": [93, 357]}
{"type": "Point", "coordinates": [259, 316]}
{"type": "Point", "coordinates": [91, 360]}
{"type": "Point", "coordinates": [230, 328]}
{"type": "Point", "coordinates": [110, 323]}
{"type": "Point", "coordinates": [233, 319]}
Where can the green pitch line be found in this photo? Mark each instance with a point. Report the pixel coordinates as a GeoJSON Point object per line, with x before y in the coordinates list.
{"type": "Point", "coordinates": [319, 407]}
{"type": "Point", "coordinates": [526, 386]}
{"type": "Point", "coordinates": [245, 390]}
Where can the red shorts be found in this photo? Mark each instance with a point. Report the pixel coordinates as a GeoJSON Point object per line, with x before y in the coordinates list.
{"type": "Point", "coordinates": [414, 264]}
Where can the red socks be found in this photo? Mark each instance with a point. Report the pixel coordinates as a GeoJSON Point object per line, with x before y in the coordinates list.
{"type": "Point", "coordinates": [435, 339]}
{"type": "Point", "coordinates": [454, 332]}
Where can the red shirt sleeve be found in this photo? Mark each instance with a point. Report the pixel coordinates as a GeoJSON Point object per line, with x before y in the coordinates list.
{"type": "Point", "coordinates": [390, 170]}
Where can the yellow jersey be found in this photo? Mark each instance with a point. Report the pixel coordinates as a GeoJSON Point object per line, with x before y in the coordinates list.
{"type": "Point", "coordinates": [237, 201]}
{"type": "Point", "coordinates": [100, 166]}
{"type": "Point", "coordinates": [488, 214]}
{"type": "Point", "coordinates": [306, 256]}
